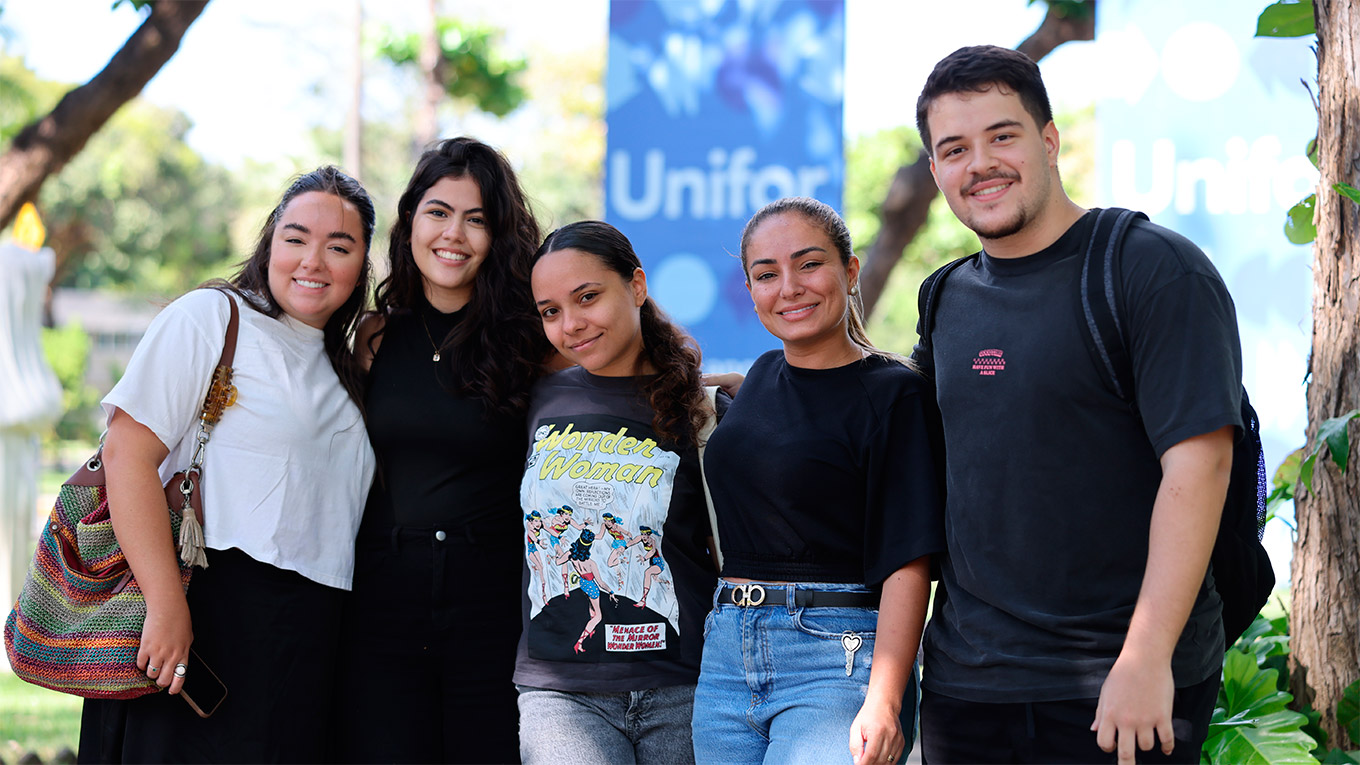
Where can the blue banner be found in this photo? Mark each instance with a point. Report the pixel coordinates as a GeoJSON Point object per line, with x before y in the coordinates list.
{"type": "Point", "coordinates": [1204, 128]}
{"type": "Point", "coordinates": [715, 109]}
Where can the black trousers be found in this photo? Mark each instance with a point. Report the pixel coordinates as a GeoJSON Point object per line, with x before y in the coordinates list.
{"type": "Point", "coordinates": [270, 635]}
{"type": "Point", "coordinates": [956, 731]}
{"type": "Point", "coordinates": [428, 648]}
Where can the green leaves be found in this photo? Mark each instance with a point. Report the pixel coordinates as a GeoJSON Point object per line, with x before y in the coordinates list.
{"type": "Point", "coordinates": [1248, 691]}
{"type": "Point", "coordinates": [1252, 722]}
{"type": "Point", "coordinates": [1348, 712]}
{"type": "Point", "coordinates": [1282, 483]}
{"type": "Point", "coordinates": [1348, 191]}
{"type": "Point", "coordinates": [1298, 224]}
{"type": "Point", "coordinates": [1273, 739]}
{"type": "Point", "coordinates": [474, 68]}
{"type": "Point", "coordinates": [1286, 19]}
{"type": "Point", "coordinates": [1332, 434]}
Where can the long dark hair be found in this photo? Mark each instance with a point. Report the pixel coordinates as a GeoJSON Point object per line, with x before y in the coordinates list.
{"type": "Point", "coordinates": [675, 394]}
{"type": "Point", "coordinates": [496, 351]}
{"type": "Point", "coordinates": [253, 276]}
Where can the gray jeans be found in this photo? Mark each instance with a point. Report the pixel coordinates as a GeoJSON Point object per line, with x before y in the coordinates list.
{"type": "Point", "coordinates": [651, 726]}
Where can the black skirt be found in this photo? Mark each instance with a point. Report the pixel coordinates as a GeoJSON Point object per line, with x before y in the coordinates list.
{"type": "Point", "coordinates": [270, 635]}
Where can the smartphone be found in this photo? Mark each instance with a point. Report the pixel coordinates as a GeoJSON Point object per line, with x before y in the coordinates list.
{"type": "Point", "coordinates": [203, 690]}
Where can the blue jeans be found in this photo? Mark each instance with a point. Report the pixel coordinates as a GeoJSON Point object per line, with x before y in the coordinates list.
{"type": "Point", "coordinates": [773, 686]}
{"type": "Point", "coordinates": [651, 726]}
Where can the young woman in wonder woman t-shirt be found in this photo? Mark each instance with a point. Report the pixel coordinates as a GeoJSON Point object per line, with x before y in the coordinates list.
{"type": "Point", "coordinates": [607, 664]}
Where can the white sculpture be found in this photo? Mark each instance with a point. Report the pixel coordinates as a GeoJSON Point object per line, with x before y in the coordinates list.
{"type": "Point", "coordinates": [30, 401]}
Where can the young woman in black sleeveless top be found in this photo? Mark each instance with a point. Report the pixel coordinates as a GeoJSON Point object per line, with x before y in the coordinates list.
{"type": "Point", "coordinates": [453, 347]}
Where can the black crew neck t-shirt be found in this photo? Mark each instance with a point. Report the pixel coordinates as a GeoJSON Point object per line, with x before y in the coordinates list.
{"type": "Point", "coordinates": [825, 475]}
{"type": "Point", "coordinates": [1051, 478]}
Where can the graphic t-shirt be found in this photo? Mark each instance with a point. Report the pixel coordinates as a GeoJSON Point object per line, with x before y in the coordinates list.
{"type": "Point", "coordinates": [618, 576]}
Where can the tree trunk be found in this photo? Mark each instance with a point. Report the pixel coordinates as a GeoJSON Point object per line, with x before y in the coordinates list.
{"type": "Point", "coordinates": [432, 81]}
{"type": "Point", "coordinates": [45, 146]}
{"type": "Point", "coordinates": [354, 119]}
{"type": "Point", "coordinates": [913, 189]}
{"type": "Point", "coordinates": [1325, 614]}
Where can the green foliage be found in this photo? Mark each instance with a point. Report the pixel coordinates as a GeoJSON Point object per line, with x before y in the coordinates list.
{"type": "Point", "coordinates": [1348, 191]}
{"type": "Point", "coordinates": [1298, 223]}
{"type": "Point", "coordinates": [23, 96]}
{"type": "Point", "coordinates": [1256, 720]}
{"type": "Point", "coordinates": [1348, 712]}
{"type": "Point", "coordinates": [1252, 722]}
{"type": "Point", "coordinates": [1286, 19]}
{"type": "Point", "coordinates": [68, 353]}
{"type": "Point", "coordinates": [1283, 482]}
{"type": "Point", "coordinates": [1332, 435]}
{"type": "Point", "coordinates": [138, 209]}
{"type": "Point", "coordinates": [474, 70]}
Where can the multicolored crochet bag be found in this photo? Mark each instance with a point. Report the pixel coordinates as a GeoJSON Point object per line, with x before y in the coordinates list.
{"type": "Point", "coordinates": [77, 625]}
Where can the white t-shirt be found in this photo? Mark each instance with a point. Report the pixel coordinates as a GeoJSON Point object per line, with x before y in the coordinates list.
{"type": "Point", "coordinates": [288, 467]}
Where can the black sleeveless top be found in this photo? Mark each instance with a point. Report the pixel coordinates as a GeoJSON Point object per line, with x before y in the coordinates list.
{"type": "Point", "coordinates": [444, 459]}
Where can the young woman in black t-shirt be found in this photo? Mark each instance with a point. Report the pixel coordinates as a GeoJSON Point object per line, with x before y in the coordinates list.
{"type": "Point", "coordinates": [828, 512]}
{"type": "Point", "coordinates": [610, 651]}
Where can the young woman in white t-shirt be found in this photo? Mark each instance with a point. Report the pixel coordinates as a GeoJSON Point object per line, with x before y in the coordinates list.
{"type": "Point", "coordinates": [284, 480]}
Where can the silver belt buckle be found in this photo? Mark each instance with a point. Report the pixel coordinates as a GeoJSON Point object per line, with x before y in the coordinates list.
{"type": "Point", "coordinates": [744, 595]}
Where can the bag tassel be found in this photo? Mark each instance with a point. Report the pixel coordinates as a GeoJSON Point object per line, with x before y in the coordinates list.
{"type": "Point", "coordinates": [191, 543]}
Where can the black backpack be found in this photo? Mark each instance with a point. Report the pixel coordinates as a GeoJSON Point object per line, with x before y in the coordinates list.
{"type": "Point", "coordinates": [1242, 572]}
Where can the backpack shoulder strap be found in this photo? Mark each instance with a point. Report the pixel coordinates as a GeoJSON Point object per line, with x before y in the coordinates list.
{"type": "Point", "coordinates": [1101, 295]}
{"type": "Point", "coordinates": [927, 301]}
{"type": "Point", "coordinates": [711, 395]}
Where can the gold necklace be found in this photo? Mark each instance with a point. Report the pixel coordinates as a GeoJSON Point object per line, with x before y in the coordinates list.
{"type": "Point", "coordinates": [437, 348]}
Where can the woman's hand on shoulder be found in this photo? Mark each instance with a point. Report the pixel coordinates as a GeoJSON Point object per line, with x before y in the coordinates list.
{"type": "Point", "coordinates": [556, 362]}
{"type": "Point", "coordinates": [730, 382]}
{"type": "Point", "coordinates": [367, 338]}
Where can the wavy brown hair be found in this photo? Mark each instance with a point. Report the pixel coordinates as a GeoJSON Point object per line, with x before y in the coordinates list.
{"type": "Point", "coordinates": [675, 393]}
{"type": "Point", "coordinates": [253, 276]}
{"type": "Point", "coordinates": [496, 351]}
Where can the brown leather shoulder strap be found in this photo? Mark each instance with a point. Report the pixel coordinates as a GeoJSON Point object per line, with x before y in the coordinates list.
{"type": "Point", "coordinates": [233, 324]}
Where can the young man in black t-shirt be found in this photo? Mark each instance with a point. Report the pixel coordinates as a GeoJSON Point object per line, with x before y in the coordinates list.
{"type": "Point", "coordinates": [1075, 617]}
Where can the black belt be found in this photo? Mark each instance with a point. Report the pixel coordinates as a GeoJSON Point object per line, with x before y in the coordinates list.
{"type": "Point", "coordinates": [746, 595]}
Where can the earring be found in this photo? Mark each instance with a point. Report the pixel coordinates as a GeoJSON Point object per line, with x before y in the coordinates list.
{"type": "Point", "coordinates": [854, 290]}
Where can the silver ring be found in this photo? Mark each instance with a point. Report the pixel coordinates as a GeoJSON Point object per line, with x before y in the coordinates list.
{"type": "Point", "coordinates": [892, 757]}
{"type": "Point", "coordinates": [149, 670]}
{"type": "Point", "coordinates": [181, 670]}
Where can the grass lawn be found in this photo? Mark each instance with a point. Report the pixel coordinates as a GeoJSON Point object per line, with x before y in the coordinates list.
{"type": "Point", "coordinates": [34, 719]}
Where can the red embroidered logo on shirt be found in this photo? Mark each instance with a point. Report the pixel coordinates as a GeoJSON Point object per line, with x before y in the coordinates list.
{"type": "Point", "coordinates": [988, 362]}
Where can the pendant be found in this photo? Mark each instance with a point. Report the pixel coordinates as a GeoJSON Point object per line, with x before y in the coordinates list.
{"type": "Point", "coordinates": [436, 356]}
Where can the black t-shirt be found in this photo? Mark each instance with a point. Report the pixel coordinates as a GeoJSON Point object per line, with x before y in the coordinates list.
{"type": "Point", "coordinates": [443, 459]}
{"type": "Point", "coordinates": [608, 506]}
{"type": "Point", "coordinates": [1051, 478]}
{"type": "Point", "coordinates": [824, 475]}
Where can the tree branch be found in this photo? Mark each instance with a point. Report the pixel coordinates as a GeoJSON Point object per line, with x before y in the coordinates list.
{"type": "Point", "coordinates": [913, 189]}
{"type": "Point", "coordinates": [45, 146]}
